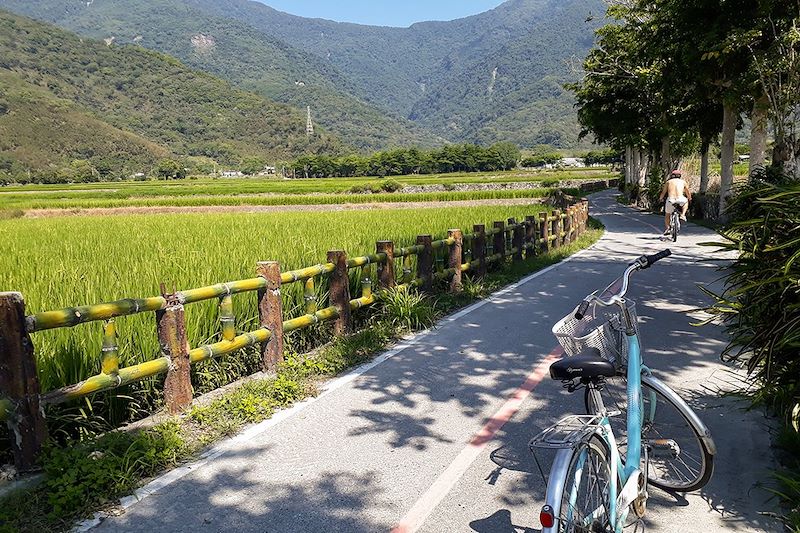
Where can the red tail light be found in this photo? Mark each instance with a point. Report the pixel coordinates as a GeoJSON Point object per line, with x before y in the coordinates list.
{"type": "Point", "coordinates": [546, 516]}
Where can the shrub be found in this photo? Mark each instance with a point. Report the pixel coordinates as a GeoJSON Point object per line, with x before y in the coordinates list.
{"type": "Point", "coordinates": [761, 300]}
{"type": "Point", "coordinates": [407, 310]}
{"type": "Point", "coordinates": [391, 186]}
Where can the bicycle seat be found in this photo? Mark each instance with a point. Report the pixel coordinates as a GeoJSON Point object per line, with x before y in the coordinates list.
{"type": "Point", "coordinates": [586, 365]}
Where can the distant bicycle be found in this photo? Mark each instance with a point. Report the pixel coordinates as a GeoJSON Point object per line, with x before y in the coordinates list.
{"type": "Point", "coordinates": [599, 479]}
{"type": "Point", "coordinates": [674, 223]}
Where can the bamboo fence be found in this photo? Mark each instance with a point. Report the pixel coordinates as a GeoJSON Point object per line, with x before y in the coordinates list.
{"type": "Point", "coordinates": [22, 403]}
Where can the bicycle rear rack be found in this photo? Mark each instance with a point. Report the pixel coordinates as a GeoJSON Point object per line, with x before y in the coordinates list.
{"type": "Point", "coordinates": [567, 432]}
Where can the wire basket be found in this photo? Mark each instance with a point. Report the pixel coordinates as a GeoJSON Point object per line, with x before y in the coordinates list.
{"type": "Point", "coordinates": [602, 328]}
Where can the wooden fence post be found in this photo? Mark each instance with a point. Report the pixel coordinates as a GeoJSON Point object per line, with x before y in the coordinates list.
{"type": "Point", "coordinates": [585, 221]}
{"type": "Point", "coordinates": [544, 229]}
{"type": "Point", "coordinates": [386, 269]}
{"type": "Point", "coordinates": [500, 242]}
{"type": "Point", "coordinates": [171, 324]}
{"type": "Point", "coordinates": [455, 259]}
{"type": "Point", "coordinates": [530, 235]}
{"type": "Point", "coordinates": [340, 291]}
{"type": "Point", "coordinates": [517, 239]}
{"type": "Point", "coordinates": [425, 262]}
{"type": "Point", "coordinates": [556, 216]}
{"type": "Point", "coordinates": [270, 314]}
{"type": "Point", "coordinates": [576, 220]}
{"type": "Point", "coordinates": [19, 383]}
{"type": "Point", "coordinates": [479, 248]}
{"type": "Point", "coordinates": [568, 226]}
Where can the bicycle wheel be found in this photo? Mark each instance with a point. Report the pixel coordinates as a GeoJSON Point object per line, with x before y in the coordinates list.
{"type": "Point", "coordinates": [675, 225]}
{"type": "Point", "coordinates": [678, 459]}
{"type": "Point", "coordinates": [583, 505]}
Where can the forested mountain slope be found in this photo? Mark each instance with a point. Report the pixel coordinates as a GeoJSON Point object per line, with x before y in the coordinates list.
{"type": "Point", "coordinates": [251, 59]}
{"type": "Point", "coordinates": [494, 76]}
{"type": "Point", "coordinates": [128, 101]}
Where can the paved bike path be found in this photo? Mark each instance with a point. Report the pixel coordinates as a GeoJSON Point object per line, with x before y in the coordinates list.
{"type": "Point", "coordinates": [410, 441]}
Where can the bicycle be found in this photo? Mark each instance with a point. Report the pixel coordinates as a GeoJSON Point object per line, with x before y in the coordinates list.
{"type": "Point", "coordinates": [675, 221]}
{"type": "Point", "coordinates": [601, 475]}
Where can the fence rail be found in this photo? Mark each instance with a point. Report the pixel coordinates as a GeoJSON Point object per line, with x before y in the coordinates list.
{"type": "Point", "coordinates": [21, 401]}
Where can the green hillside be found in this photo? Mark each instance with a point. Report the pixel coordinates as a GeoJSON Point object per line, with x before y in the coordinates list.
{"type": "Point", "coordinates": [41, 131]}
{"type": "Point", "coordinates": [513, 91]}
{"type": "Point", "coordinates": [253, 60]}
{"type": "Point", "coordinates": [438, 73]}
{"type": "Point", "coordinates": [107, 90]}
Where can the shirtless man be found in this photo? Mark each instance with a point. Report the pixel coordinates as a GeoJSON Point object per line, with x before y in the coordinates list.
{"type": "Point", "coordinates": [677, 193]}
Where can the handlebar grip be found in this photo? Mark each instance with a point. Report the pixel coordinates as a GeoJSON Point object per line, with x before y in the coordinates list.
{"type": "Point", "coordinates": [649, 260]}
{"type": "Point", "coordinates": [581, 312]}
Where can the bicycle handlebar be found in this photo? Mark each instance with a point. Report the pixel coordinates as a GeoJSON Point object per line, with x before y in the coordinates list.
{"type": "Point", "coordinates": [641, 263]}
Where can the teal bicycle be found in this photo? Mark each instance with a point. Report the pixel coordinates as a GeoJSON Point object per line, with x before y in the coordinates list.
{"type": "Point", "coordinates": [607, 459]}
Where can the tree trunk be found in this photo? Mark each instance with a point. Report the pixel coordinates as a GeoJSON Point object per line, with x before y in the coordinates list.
{"type": "Point", "coordinates": [728, 146]}
{"type": "Point", "coordinates": [637, 166]}
{"type": "Point", "coordinates": [704, 147]}
{"type": "Point", "coordinates": [666, 157]}
{"type": "Point", "coordinates": [758, 134]}
{"type": "Point", "coordinates": [628, 165]}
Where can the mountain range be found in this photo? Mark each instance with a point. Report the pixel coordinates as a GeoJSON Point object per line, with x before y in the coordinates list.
{"type": "Point", "coordinates": [495, 76]}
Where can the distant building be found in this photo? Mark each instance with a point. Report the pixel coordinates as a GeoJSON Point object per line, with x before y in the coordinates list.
{"type": "Point", "coordinates": [267, 171]}
{"type": "Point", "coordinates": [231, 174]}
{"type": "Point", "coordinates": [573, 162]}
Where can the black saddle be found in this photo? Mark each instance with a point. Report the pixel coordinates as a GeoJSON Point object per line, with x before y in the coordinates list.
{"type": "Point", "coordinates": [588, 365]}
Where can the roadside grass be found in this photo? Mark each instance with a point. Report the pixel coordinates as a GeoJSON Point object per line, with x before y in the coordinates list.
{"type": "Point", "coordinates": [84, 476]}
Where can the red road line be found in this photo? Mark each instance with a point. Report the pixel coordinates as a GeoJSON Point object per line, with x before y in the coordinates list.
{"type": "Point", "coordinates": [425, 505]}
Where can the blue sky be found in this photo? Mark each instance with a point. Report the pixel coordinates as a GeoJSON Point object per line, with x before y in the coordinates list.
{"type": "Point", "coordinates": [384, 12]}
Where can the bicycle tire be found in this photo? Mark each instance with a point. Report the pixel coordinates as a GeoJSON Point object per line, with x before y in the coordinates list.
{"type": "Point", "coordinates": [670, 423]}
{"type": "Point", "coordinates": [596, 478]}
{"type": "Point", "coordinates": [675, 225]}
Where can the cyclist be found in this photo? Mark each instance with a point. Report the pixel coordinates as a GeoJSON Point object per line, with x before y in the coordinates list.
{"type": "Point", "coordinates": [677, 194]}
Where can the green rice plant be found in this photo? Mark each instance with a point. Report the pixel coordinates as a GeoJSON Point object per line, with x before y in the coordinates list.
{"type": "Point", "coordinates": [63, 262]}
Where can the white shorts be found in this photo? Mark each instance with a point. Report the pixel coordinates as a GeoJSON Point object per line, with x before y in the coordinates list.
{"type": "Point", "coordinates": [669, 206]}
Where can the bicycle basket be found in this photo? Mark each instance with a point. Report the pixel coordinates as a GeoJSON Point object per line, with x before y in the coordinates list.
{"type": "Point", "coordinates": [602, 328]}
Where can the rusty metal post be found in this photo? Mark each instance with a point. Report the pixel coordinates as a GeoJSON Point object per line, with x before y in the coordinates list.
{"type": "Point", "coordinates": [386, 269]}
{"type": "Point", "coordinates": [530, 235]}
{"type": "Point", "coordinates": [171, 324]}
{"type": "Point", "coordinates": [544, 228]}
{"type": "Point", "coordinates": [518, 239]}
{"type": "Point", "coordinates": [500, 242]}
{"type": "Point", "coordinates": [270, 314]}
{"type": "Point", "coordinates": [425, 262]}
{"type": "Point", "coordinates": [19, 383]}
{"type": "Point", "coordinates": [479, 248]}
{"type": "Point", "coordinates": [340, 292]}
{"type": "Point", "coordinates": [455, 259]}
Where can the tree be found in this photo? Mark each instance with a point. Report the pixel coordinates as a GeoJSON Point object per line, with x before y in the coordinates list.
{"type": "Point", "coordinates": [252, 165]}
{"type": "Point", "coordinates": [169, 169]}
{"type": "Point", "coordinates": [508, 154]}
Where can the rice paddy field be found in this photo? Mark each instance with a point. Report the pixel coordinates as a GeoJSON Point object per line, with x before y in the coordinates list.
{"type": "Point", "coordinates": [275, 191]}
{"type": "Point", "coordinates": [68, 261]}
